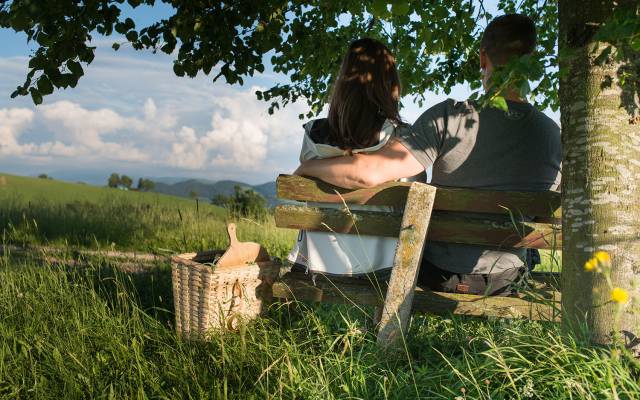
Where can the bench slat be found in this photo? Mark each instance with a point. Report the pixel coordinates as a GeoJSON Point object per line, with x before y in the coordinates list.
{"type": "Point", "coordinates": [534, 204]}
{"type": "Point", "coordinates": [297, 286]}
{"type": "Point", "coordinates": [444, 227]}
{"type": "Point", "coordinates": [396, 310]}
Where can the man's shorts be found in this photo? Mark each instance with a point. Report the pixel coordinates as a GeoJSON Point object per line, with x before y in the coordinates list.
{"type": "Point", "coordinates": [495, 284]}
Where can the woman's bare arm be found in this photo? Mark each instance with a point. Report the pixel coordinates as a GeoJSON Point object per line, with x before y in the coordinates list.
{"type": "Point", "coordinates": [363, 170]}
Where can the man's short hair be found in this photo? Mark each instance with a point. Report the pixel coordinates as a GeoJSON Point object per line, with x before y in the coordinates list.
{"type": "Point", "coordinates": [509, 36]}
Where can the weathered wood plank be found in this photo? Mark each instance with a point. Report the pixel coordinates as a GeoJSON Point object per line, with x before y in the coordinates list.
{"type": "Point", "coordinates": [451, 228]}
{"type": "Point", "coordinates": [444, 226]}
{"type": "Point", "coordinates": [533, 204]}
{"type": "Point", "coordinates": [358, 292]}
{"type": "Point", "coordinates": [406, 263]}
{"type": "Point", "coordinates": [338, 220]}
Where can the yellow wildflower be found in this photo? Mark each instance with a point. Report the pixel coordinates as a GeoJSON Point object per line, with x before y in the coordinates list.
{"type": "Point", "coordinates": [619, 295]}
{"type": "Point", "coordinates": [603, 257]}
{"type": "Point", "coordinates": [591, 264]}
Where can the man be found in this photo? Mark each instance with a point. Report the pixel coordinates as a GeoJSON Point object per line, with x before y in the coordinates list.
{"type": "Point", "coordinates": [467, 147]}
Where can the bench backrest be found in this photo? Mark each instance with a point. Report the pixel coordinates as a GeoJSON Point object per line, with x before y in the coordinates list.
{"type": "Point", "coordinates": [496, 221]}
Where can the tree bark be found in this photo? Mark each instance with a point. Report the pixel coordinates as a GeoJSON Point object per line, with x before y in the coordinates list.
{"type": "Point", "coordinates": [601, 178]}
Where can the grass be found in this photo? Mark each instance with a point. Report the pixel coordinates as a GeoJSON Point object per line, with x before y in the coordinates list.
{"type": "Point", "coordinates": [26, 189]}
{"type": "Point", "coordinates": [94, 332]}
{"type": "Point", "coordinates": [44, 212]}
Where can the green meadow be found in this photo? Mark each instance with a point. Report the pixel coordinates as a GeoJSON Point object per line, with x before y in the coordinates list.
{"type": "Point", "coordinates": [94, 331]}
{"type": "Point", "coordinates": [48, 212]}
{"type": "Point", "coordinates": [27, 189]}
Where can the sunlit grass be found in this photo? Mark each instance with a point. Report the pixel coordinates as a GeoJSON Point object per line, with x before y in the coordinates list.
{"type": "Point", "coordinates": [92, 332]}
{"type": "Point", "coordinates": [91, 217]}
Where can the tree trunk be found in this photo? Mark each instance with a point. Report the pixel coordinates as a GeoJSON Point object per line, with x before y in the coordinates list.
{"type": "Point", "coordinates": [601, 178]}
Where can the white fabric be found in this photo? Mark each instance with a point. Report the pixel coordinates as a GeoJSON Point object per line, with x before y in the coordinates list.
{"type": "Point", "coordinates": [342, 254]}
{"type": "Point", "coordinates": [311, 150]}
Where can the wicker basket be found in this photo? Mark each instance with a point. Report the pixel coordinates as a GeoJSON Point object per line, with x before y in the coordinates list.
{"type": "Point", "coordinates": [208, 297]}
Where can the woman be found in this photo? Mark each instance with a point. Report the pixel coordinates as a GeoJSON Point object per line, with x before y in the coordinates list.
{"type": "Point", "coordinates": [363, 116]}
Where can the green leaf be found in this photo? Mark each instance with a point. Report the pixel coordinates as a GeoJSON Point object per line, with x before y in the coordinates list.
{"type": "Point", "coordinates": [20, 22]}
{"type": "Point", "coordinates": [72, 80]}
{"type": "Point", "coordinates": [115, 46]}
{"type": "Point", "coordinates": [379, 8]}
{"type": "Point", "coordinates": [129, 23]}
{"type": "Point", "coordinates": [75, 68]}
{"type": "Point", "coordinates": [44, 85]}
{"type": "Point", "coordinates": [400, 8]}
{"type": "Point", "coordinates": [207, 64]}
{"type": "Point", "coordinates": [88, 55]}
{"type": "Point", "coordinates": [500, 103]}
{"type": "Point", "coordinates": [121, 28]}
{"type": "Point", "coordinates": [177, 69]}
{"type": "Point", "coordinates": [37, 62]}
{"type": "Point", "coordinates": [168, 48]}
{"type": "Point", "coordinates": [132, 36]}
{"type": "Point", "coordinates": [16, 93]}
{"type": "Point", "coordinates": [524, 88]}
{"type": "Point", "coordinates": [36, 96]}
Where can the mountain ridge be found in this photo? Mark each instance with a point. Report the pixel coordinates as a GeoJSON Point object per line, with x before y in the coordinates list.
{"type": "Point", "coordinates": [208, 189]}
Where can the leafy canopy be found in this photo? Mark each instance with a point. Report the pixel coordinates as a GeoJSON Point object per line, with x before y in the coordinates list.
{"type": "Point", "coordinates": [435, 42]}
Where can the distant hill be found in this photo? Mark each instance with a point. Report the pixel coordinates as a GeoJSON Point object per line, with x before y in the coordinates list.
{"type": "Point", "coordinates": [208, 189]}
{"type": "Point", "coordinates": [268, 191]}
{"type": "Point", "coordinates": [173, 179]}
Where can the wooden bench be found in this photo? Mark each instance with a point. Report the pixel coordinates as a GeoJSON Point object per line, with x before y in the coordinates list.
{"type": "Point", "coordinates": [424, 211]}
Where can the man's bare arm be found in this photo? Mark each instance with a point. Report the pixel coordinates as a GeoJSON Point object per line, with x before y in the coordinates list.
{"type": "Point", "coordinates": [362, 170]}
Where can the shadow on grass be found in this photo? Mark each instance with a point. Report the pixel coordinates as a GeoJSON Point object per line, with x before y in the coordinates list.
{"type": "Point", "coordinates": [79, 222]}
{"type": "Point", "coordinates": [146, 287]}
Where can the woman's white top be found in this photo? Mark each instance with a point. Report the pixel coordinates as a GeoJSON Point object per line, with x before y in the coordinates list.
{"type": "Point", "coordinates": [343, 254]}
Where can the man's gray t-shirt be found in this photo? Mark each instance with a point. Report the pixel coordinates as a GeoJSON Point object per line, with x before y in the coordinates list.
{"type": "Point", "coordinates": [489, 149]}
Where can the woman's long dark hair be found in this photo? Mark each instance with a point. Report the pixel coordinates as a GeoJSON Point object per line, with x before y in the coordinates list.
{"type": "Point", "coordinates": [366, 92]}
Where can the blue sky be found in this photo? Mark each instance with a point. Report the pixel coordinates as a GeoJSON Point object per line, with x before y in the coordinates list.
{"type": "Point", "coordinates": [130, 114]}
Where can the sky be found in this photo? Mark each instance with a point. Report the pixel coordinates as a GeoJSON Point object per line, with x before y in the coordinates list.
{"type": "Point", "coordinates": [130, 114]}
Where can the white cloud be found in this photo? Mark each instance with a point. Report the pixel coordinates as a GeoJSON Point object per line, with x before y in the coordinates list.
{"type": "Point", "coordinates": [85, 130]}
{"type": "Point", "coordinates": [242, 136]}
{"type": "Point", "coordinates": [239, 142]}
{"type": "Point", "coordinates": [12, 123]}
{"type": "Point", "coordinates": [84, 127]}
{"type": "Point", "coordinates": [150, 109]}
{"type": "Point", "coordinates": [187, 152]}
{"type": "Point", "coordinates": [159, 120]}
{"type": "Point", "coordinates": [78, 133]}
{"type": "Point", "coordinates": [130, 114]}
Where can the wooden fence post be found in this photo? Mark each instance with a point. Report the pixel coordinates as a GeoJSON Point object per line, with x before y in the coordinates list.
{"type": "Point", "coordinates": [397, 305]}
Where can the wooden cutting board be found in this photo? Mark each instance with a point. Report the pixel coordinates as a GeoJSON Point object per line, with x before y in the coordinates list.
{"type": "Point", "coordinates": [240, 253]}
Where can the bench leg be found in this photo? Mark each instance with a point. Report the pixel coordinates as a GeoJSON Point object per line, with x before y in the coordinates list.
{"type": "Point", "coordinates": [397, 304]}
